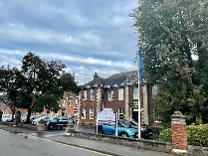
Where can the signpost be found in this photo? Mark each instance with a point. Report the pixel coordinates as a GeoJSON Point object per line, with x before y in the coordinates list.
{"type": "Point", "coordinates": [139, 102]}
{"type": "Point", "coordinates": [106, 116]}
{"type": "Point", "coordinates": [117, 118]}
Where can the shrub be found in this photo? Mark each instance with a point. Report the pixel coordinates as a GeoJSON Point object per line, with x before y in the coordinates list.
{"type": "Point", "coordinates": [165, 135]}
{"type": "Point", "coordinates": [197, 135]}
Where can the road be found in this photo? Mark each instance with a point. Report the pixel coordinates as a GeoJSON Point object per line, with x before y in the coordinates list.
{"type": "Point", "coordinates": [54, 143]}
{"type": "Point", "coordinates": [15, 144]}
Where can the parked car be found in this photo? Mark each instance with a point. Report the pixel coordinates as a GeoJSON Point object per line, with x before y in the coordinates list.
{"type": "Point", "coordinates": [23, 118]}
{"type": "Point", "coordinates": [146, 133]}
{"type": "Point", "coordinates": [36, 121]}
{"type": "Point", "coordinates": [33, 117]}
{"type": "Point", "coordinates": [58, 122]}
{"type": "Point", "coordinates": [123, 130]}
{"type": "Point", "coordinates": [7, 117]}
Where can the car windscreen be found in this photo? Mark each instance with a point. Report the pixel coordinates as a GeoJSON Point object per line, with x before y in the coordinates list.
{"type": "Point", "coordinates": [53, 117]}
{"type": "Point", "coordinates": [134, 123]}
{"type": "Point", "coordinates": [125, 123]}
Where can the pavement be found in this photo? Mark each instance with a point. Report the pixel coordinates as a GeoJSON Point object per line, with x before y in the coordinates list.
{"type": "Point", "coordinates": [107, 148]}
{"type": "Point", "coordinates": [90, 145]}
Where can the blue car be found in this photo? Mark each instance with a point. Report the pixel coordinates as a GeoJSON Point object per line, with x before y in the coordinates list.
{"type": "Point", "coordinates": [123, 130]}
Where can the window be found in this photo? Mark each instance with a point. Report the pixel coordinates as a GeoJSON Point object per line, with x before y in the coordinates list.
{"type": "Point", "coordinates": [121, 113]}
{"type": "Point", "coordinates": [92, 94]}
{"type": "Point", "coordinates": [84, 95]}
{"type": "Point", "coordinates": [110, 95]}
{"type": "Point", "coordinates": [92, 113]}
{"type": "Point", "coordinates": [120, 110]}
{"type": "Point", "coordinates": [135, 93]}
{"type": "Point", "coordinates": [120, 94]}
{"type": "Point", "coordinates": [83, 113]}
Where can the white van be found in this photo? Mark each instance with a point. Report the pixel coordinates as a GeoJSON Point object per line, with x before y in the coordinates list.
{"type": "Point", "coordinates": [7, 117]}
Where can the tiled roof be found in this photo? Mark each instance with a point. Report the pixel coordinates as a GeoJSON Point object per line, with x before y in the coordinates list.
{"type": "Point", "coordinates": [115, 79]}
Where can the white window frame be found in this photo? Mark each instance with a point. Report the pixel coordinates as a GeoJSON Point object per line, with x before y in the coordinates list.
{"type": "Point", "coordinates": [135, 93]}
{"type": "Point", "coordinates": [92, 94]}
{"type": "Point", "coordinates": [84, 95]}
{"type": "Point", "coordinates": [92, 113]}
{"type": "Point", "coordinates": [120, 110]}
{"type": "Point", "coordinates": [110, 95]}
{"type": "Point", "coordinates": [84, 113]}
{"type": "Point", "coordinates": [121, 94]}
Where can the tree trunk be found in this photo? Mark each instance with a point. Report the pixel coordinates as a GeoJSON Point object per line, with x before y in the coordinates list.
{"type": "Point", "coordinates": [28, 115]}
{"type": "Point", "coordinates": [13, 113]}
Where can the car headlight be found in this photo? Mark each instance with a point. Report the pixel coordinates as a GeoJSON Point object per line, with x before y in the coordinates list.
{"type": "Point", "coordinates": [131, 132]}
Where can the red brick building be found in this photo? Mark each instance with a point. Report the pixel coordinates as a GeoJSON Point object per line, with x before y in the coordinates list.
{"type": "Point", "coordinates": [119, 92]}
{"type": "Point", "coordinates": [6, 110]}
{"type": "Point", "coordinates": [69, 104]}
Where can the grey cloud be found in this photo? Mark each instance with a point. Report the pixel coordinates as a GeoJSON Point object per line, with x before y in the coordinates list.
{"type": "Point", "coordinates": [95, 30]}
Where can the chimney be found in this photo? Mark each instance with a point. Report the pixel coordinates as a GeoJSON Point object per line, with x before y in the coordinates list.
{"type": "Point", "coordinates": [96, 77]}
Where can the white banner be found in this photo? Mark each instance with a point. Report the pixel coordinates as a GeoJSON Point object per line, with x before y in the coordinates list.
{"type": "Point", "coordinates": [106, 116]}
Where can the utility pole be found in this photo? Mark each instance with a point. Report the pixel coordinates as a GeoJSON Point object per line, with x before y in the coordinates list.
{"type": "Point", "coordinates": [139, 101]}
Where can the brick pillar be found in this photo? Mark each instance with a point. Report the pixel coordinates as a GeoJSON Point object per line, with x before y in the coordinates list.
{"type": "Point", "coordinates": [145, 105]}
{"type": "Point", "coordinates": [99, 100]}
{"type": "Point", "coordinates": [127, 113]}
{"type": "Point", "coordinates": [179, 135]}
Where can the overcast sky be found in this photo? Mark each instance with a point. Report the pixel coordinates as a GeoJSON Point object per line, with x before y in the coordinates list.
{"type": "Point", "coordinates": [87, 35]}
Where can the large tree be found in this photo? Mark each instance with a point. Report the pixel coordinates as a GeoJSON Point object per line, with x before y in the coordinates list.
{"type": "Point", "coordinates": [68, 83]}
{"type": "Point", "coordinates": [41, 79]}
{"type": "Point", "coordinates": [10, 84]}
{"type": "Point", "coordinates": [38, 85]}
{"type": "Point", "coordinates": [48, 102]}
{"type": "Point", "coordinates": [173, 37]}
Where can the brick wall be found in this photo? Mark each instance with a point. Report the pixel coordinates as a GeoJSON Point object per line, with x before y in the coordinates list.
{"type": "Point", "coordinates": [114, 103]}
{"type": "Point", "coordinates": [72, 107]}
{"type": "Point", "coordinates": [87, 104]}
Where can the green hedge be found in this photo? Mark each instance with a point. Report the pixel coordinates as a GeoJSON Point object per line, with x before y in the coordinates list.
{"type": "Point", "coordinates": [197, 135]}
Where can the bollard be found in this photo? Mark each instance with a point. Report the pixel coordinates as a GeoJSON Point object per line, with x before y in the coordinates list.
{"type": "Point", "coordinates": [69, 131]}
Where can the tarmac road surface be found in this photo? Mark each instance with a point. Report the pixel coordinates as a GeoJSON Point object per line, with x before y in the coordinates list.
{"type": "Point", "coordinates": [16, 145]}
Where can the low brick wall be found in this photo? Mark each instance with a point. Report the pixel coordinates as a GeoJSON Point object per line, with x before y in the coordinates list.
{"type": "Point", "coordinates": [197, 151]}
{"type": "Point", "coordinates": [142, 143]}
{"type": "Point", "coordinates": [21, 125]}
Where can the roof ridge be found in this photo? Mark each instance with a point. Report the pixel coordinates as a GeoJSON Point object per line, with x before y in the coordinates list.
{"type": "Point", "coordinates": [116, 78]}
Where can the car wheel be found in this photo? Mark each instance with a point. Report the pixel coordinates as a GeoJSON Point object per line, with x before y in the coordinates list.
{"type": "Point", "coordinates": [124, 135]}
{"type": "Point", "coordinates": [100, 131]}
{"type": "Point", "coordinates": [61, 127]}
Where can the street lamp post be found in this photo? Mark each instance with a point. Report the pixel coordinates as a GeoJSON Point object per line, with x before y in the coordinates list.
{"type": "Point", "coordinates": [139, 102]}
